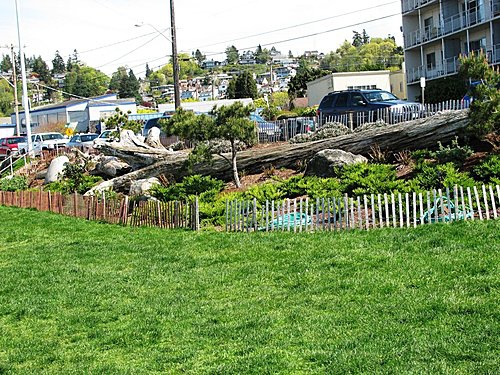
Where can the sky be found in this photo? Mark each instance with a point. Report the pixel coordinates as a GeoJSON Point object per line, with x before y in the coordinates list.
{"type": "Point", "coordinates": [105, 36]}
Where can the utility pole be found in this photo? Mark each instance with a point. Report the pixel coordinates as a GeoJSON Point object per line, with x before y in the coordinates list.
{"type": "Point", "coordinates": [175, 59]}
{"type": "Point", "coordinates": [16, 103]}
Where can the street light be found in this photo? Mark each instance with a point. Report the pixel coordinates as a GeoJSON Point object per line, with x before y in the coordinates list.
{"type": "Point", "coordinates": [27, 117]}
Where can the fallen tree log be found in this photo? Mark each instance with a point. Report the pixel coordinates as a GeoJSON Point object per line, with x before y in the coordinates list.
{"type": "Point", "coordinates": [409, 135]}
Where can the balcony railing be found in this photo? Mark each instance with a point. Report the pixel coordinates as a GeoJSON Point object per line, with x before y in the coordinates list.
{"type": "Point", "coordinates": [450, 25]}
{"type": "Point", "coordinates": [448, 66]}
{"type": "Point", "coordinates": [409, 5]}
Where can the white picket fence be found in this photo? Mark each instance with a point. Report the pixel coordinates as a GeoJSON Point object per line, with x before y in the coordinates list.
{"type": "Point", "coordinates": [364, 212]}
{"type": "Point", "coordinates": [284, 130]}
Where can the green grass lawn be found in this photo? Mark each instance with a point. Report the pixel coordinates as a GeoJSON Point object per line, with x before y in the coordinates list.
{"type": "Point", "coordinates": [83, 297]}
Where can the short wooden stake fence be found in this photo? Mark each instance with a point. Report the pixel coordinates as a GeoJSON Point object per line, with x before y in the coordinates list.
{"type": "Point", "coordinates": [123, 211]}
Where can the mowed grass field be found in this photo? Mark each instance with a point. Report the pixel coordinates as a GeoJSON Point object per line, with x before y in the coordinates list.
{"type": "Point", "coordinates": [83, 297]}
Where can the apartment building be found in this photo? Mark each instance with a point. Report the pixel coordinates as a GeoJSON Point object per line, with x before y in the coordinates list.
{"type": "Point", "coordinates": [436, 32]}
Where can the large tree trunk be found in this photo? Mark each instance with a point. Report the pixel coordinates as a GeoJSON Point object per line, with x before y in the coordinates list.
{"type": "Point", "coordinates": [404, 136]}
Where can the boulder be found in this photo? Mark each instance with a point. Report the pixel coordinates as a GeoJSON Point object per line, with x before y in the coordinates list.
{"type": "Point", "coordinates": [142, 187]}
{"type": "Point", "coordinates": [55, 169]}
{"type": "Point", "coordinates": [110, 167]}
{"type": "Point", "coordinates": [324, 162]}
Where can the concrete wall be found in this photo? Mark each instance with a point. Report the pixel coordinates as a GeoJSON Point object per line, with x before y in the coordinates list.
{"type": "Point", "coordinates": [320, 87]}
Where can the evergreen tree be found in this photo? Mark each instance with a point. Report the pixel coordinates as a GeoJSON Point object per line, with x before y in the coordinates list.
{"type": "Point", "coordinates": [148, 71]}
{"type": "Point", "coordinates": [5, 64]}
{"type": "Point", "coordinates": [199, 57]}
{"type": "Point", "coordinates": [261, 55]}
{"type": "Point", "coordinates": [69, 65]}
{"type": "Point", "coordinates": [357, 39]}
{"type": "Point", "coordinates": [39, 66]}
{"type": "Point", "coordinates": [58, 66]}
{"type": "Point", "coordinates": [245, 86]}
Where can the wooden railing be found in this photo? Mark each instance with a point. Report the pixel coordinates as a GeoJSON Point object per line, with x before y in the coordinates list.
{"type": "Point", "coordinates": [115, 211]}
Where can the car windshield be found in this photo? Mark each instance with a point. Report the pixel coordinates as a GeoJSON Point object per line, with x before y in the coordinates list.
{"type": "Point", "coordinates": [380, 96]}
{"type": "Point", "coordinates": [13, 141]}
{"type": "Point", "coordinates": [88, 137]}
{"type": "Point", "coordinates": [105, 134]}
{"type": "Point", "coordinates": [52, 136]}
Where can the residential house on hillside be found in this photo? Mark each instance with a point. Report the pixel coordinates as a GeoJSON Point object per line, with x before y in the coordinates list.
{"type": "Point", "coordinates": [437, 32]}
{"type": "Point", "coordinates": [247, 58]}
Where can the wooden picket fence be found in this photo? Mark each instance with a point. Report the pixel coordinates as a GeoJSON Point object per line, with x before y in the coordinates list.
{"type": "Point", "coordinates": [115, 211]}
{"type": "Point", "coordinates": [365, 212]}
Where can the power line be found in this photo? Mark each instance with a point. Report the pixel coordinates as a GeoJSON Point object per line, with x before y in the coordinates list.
{"type": "Point", "coordinates": [299, 25]}
{"type": "Point", "coordinates": [116, 43]}
{"type": "Point", "coordinates": [314, 34]}
{"type": "Point", "coordinates": [130, 52]}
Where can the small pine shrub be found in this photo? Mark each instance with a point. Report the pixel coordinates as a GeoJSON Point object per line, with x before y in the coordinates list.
{"type": "Point", "coordinates": [363, 178]}
{"type": "Point", "coordinates": [489, 170]}
{"type": "Point", "coordinates": [430, 176]}
{"type": "Point", "coordinates": [453, 153]}
{"type": "Point", "coordinates": [204, 186]}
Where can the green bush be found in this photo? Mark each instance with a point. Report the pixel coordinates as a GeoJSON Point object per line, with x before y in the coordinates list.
{"type": "Point", "coordinates": [363, 178]}
{"type": "Point", "coordinates": [489, 170]}
{"type": "Point", "coordinates": [263, 192]}
{"type": "Point", "coordinates": [205, 187]}
{"type": "Point", "coordinates": [431, 176]}
{"type": "Point", "coordinates": [16, 183]}
{"type": "Point", "coordinates": [453, 153]}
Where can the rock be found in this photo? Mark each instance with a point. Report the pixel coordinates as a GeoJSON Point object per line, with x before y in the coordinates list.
{"type": "Point", "coordinates": [153, 138]}
{"type": "Point", "coordinates": [142, 187]}
{"type": "Point", "coordinates": [110, 167]}
{"type": "Point", "coordinates": [55, 169]}
{"type": "Point", "coordinates": [41, 175]}
{"type": "Point", "coordinates": [324, 162]}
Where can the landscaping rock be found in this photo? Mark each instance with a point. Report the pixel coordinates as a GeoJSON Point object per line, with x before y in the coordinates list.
{"type": "Point", "coordinates": [55, 169]}
{"type": "Point", "coordinates": [324, 162]}
{"type": "Point", "coordinates": [110, 167]}
{"type": "Point", "coordinates": [142, 187]}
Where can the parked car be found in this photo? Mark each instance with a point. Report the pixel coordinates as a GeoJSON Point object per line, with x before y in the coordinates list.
{"type": "Point", "coordinates": [44, 141]}
{"type": "Point", "coordinates": [267, 130]}
{"type": "Point", "coordinates": [364, 104]}
{"type": "Point", "coordinates": [103, 138]}
{"type": "Point", "coordinates": [10, 146]}
{"type": "Point", "coordinates": [82, 140]}
{"type": "Point", "coordinates": [297, 125]}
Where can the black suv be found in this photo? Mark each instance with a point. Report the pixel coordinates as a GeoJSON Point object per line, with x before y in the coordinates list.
{"type": "Point", "coordinates": [364, 105]}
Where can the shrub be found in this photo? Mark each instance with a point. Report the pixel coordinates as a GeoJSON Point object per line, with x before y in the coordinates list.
{"type": "Point", "coordinates": [16, 183]}
{"type": "Point", "coordinates": [363, 178]}
{"type": "Point", "coordinates": [489, 170]}
{"type": "Point", "coordinates": [263, 192]}
{"type": "Point", "coordinates": [430, 176]}
{"type": "Point", "coordinates": [453, 153]}
{"type": "Point", "coordinates": [204, 186]}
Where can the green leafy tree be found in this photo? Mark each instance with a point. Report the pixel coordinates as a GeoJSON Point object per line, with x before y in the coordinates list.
{"type": "Point", "coordinates": [230, 123]}
{"type": "Point", "coordinates": [125, 84]}
{"type": "Point", "coordinates": [485, 109]}
{"type": "Point", "coordinates": [232, 55]}
{"type": "Point", "coordinates": [6, 99]}
{"type": "Point", "coordinates": [58, 65]}
{"type": "Point", "coordinates": [297, 87]}
{"type": "Point", "coordinates": [39, 66]}
{"type": "Point", "coordinates": [86, 81]}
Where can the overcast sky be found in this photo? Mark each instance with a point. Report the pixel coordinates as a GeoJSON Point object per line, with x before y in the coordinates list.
{"type": "Point", "coordinates": [103, 31]}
